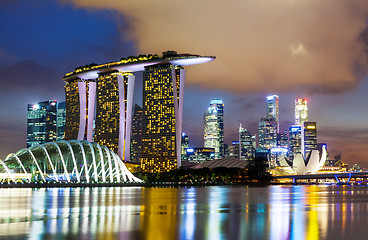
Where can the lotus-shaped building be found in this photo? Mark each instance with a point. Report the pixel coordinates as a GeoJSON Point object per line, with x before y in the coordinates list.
{"type": "Point", "coordinates": [70, 161]}
{"type": "Point", "coordinates": [300, 165]}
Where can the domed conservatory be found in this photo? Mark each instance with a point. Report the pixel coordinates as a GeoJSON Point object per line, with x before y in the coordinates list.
{"type": "Point", "coordinates": [66, 161]}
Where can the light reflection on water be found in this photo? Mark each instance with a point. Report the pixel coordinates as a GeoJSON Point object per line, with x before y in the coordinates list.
{"type": "Point", "coordinates": [213, 213]}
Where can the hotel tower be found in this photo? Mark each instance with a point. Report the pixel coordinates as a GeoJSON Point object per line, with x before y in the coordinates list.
{"type": "Point", "coordinates": [99, 102]}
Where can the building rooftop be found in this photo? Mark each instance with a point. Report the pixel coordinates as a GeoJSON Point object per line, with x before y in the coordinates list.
{"type": "Point", "coordinates": [136, 64]}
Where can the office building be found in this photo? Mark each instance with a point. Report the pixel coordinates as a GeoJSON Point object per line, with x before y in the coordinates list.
{"type": "Point", "coordinates": [60, 122]}
{"type": "Point", "coordinates": [295, 145]}
{"type": "Point", "coordinates": [273, 109]}
{"type": "Point", "coordinates": [184, 146]}
{"type": "Point", "coordinates": [214, 127]}
{"type": "Point", "coordinates": [301, 111]}
{"type": "Point", "coordinates": [309, 136]}
{"type": "Point", "coordinates": [283, 139]}
{"type": "Point", "coordinates": [136, 139]}
{"type": "Point", "coordinates": [41, 123]}
{"type": "Point", "coordinates": [246, 149]}
{"type": "Point", "coordinates": [267, 133]}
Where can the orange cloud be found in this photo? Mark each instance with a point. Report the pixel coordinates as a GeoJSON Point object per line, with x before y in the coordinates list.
{"type": "Point", "coordinates": [262, 45]}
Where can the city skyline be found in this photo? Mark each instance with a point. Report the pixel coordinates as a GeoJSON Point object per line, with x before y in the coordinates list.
{"type": "Point", "coordinates": [38, 48]}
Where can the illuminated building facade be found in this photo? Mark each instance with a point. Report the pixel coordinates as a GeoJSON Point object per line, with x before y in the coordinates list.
{"type": "Point", "coordinates": [41, 123]}
{"type": "Point", "coordinates": [309, 136]}
{"type": "Point", "coordinates": [246, 149]}
{"type": "Point", "coordinates": [295, 145]}
{"type": "Point", "coordinates": [114, 112]}
{"type": "Point", "coordinates": [60, 122]}
{"type": "Point", "coordinates": [163, 92]}
{"type": "Point", "coordinates": [267, 133]}
{"type": "Point", "coordinates": [99, 100]}
{"type": "Point", "coordinates": [136, 140]}
{"type": "Point", "coordinates": [184, 146]}
{"type": "Point", "coordinates": [283, 139]}
{"type": "Point", "coordinates": [301, 111]}
{"type": "Point", "coordinates": [273, 109]}
{"type": "Point", "coordinates": [214, 127]}
{"type": "Point", "coordinates": [199, 155]}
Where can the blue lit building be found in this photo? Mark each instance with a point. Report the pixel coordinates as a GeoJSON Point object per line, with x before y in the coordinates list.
{"type": "Point", "coordinates": [295, 145]}
{"type": "Point", "coordinates": [199, 155]}
{"type": "Point", "coordinates": [45, 122]}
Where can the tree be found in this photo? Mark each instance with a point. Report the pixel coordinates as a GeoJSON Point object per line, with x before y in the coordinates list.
{"type": "Point", "coordinates": [257, 170]}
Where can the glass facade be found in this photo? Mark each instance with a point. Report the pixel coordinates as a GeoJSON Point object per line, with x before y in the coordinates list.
{"type": "Point", "coordinates": [267, 133]}
{"type": "Point", "coordinates": [246, 150]}
{"type": "Point", "coordinates": [301, 111]}
{"type": "Point", "coordinates": [295, 145]}
{"type": "Point", "coordinates": [60, 122]}
{"type": "Point", "coordinates": [70, 161]}
{"type": "Point", "coordinates": [41, 123]}
{"type": "Point", "coordinates": [310, 138]}
{"type": "Point", "coordinates": [273, 109]}
{"type": "Point", "coordinates": [214, 127]}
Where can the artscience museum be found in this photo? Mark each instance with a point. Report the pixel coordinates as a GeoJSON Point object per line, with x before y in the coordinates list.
{"type": "Point", "coordinates": [68, 161]}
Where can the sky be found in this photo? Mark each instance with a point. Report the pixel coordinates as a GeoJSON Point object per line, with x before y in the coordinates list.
{"type": "Point", "coordinates": [296, 49]}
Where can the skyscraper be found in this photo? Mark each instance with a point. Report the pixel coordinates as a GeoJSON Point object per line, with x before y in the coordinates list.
{"type": "Point", "coordinates": [60, 122]}
{"type": "Point", "coordinates": [273, 109]}
{"type": "Point", "coordinates": [295, 145]}
{"type": "Point", "coordinates": [99, 100]}
{"type": "Point", "coordinates": [113, 112]}
{"type": "Point", "coordinates": [136, 140]}
{"type": "Point", "coordinates": [309, 138]}
{"type": "Point", "coordinates": [163, 92]}
{"type": "Point", "coordinates": [41, 123]}
{"type": "Point", "coordinates": [184, 146]}
{"type": "Point", "coordinates": [267, 133]}
{"type": "Point", "coordinates": [246, 149]}
{"type": "Point", "coordinates": [301, 111]}
{"type": "Point", "coordinates": [214, 127]}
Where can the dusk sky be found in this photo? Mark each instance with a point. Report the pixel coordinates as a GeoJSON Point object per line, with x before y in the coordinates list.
{"type": "Point", "coordinates": [293, 48]}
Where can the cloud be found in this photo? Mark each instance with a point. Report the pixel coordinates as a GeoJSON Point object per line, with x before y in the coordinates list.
{"type": "Point", "coordinates": [351, 143]}
{"type": "Point", "coordinates": [260, 45]}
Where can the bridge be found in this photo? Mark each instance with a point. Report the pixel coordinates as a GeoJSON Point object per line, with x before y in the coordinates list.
{"type": "Point", "coordinates": [340, 177]}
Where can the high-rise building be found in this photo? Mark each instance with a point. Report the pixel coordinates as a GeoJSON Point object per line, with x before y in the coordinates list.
{"type": "Point", "coordinates": [214, 127]}
{"type": "Point", "coordinates": [136, 139]}
{"type": "Point", "coordinates": [295, 145]}
{"type": "Point", "coordinates": [163, 91]}
{"type": "Point", "coordinates": [246, 149]}
{"type": "Point", "coordinates": [283, 139]}
{"type": "Point", "coordinates": [184, 146]}
{"type": "Point", "coordinates": [99, 100]}
{"type": "Point", "coordinates": [309, 138]}
{"type": "Point", "coordinates": [267, 133]}
{"type": "Point", "coordinates": [41, 123]}
{"type": "Point", "coordinates": [301, 111]}
{"type": "Point", "coordinates": [273, 109]}
{"type": "Point", "coordinates": [60, 122]}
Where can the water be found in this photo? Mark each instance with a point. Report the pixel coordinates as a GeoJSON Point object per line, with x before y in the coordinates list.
{"type": "Point", "coordinates": [276, 212]}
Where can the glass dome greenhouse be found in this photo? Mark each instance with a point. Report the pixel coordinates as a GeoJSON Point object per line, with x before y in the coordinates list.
{"type": "Point", "coordinates": [70, 161]}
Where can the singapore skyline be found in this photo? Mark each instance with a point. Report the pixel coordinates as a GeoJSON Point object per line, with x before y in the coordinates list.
{"type": "Point", "coordinates": [185, 120]}
{"type": "Point", "coordinates": [335, 106]}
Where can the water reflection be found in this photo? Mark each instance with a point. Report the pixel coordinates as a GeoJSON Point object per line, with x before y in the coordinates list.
{"type": "Point", "coordinates": [293, 212]}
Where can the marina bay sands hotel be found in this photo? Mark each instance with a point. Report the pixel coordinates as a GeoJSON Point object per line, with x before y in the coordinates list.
{"type": "Point", "coordinates": [99, 102]}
